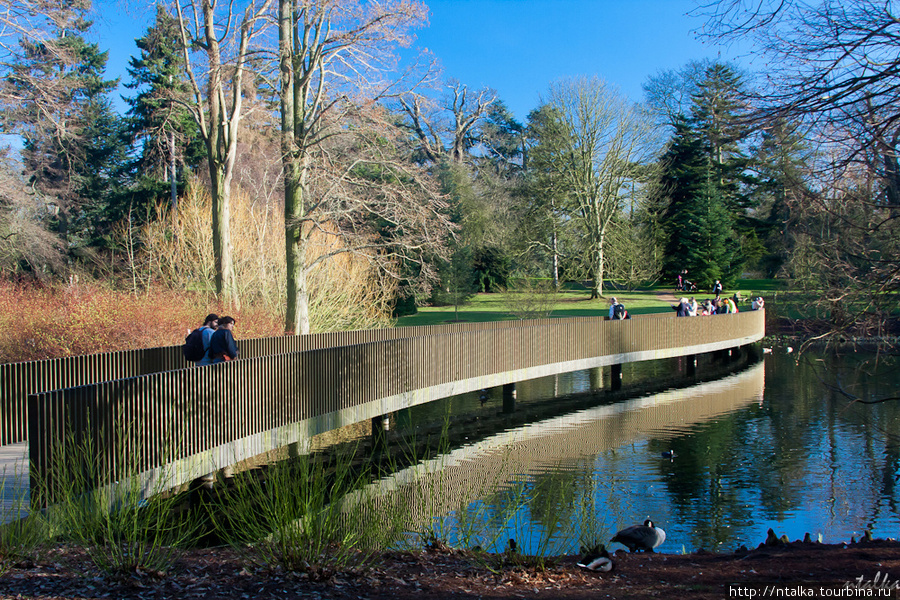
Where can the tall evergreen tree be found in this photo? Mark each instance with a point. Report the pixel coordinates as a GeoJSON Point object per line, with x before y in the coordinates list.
{"type": "Point", "coordinates": [717, 116]}
{"type": "Point", "coordinates": [57, 101]}
{"type": "Point", "coordinates": [700, 228]}
{"type": "Point", "coordinates": [101, 183]}
{"type": "Point", "coordinates": [544, 193]}
{"type": "Point", "coordinates": [705, 197]}
{"type": "Point", "coordinates": [165, 132]}
{"type": "Point", "coordinates": [781, 160]}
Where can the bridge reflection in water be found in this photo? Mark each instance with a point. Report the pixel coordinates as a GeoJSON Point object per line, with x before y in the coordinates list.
{"type": "Point", "coordinates": [459, 482]}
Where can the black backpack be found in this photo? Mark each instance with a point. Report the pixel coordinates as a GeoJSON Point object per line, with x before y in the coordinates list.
{"type": "Point", "coordinates": [193, 346]}
{"type": "Point", "coordinates": [619, 311]}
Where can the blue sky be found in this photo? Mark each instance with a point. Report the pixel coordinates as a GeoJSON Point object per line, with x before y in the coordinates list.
{"type": "Point", "coordinates": [517, 47]}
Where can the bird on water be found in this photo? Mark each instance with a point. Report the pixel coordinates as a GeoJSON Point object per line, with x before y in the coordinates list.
{"type": "Point", "coordinates": [644, 537]}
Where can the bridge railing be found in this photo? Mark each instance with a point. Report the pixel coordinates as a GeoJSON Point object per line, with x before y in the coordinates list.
{"type": "Point", "coordinates": [161, 418]}
{"type": "Point", "coordinates": [21, 379]}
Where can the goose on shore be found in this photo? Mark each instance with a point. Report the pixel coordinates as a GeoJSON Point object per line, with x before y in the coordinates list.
{"type": "Point", "coordinates": [644, 537]}
{"type": "Point", "coordinates": [597, 560]}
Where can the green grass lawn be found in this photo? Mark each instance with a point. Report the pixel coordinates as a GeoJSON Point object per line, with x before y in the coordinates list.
{"type": "Point", "coordinates": [574, 303]}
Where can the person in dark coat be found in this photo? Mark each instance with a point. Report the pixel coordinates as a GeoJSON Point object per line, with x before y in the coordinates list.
{"type": "Point", "coordinates": [682, 309]}
{"type": "Point", "coordinates": [222, 346]}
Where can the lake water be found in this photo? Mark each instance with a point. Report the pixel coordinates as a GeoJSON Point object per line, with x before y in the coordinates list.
{"type": "Point", "coordinates": [778, 445]}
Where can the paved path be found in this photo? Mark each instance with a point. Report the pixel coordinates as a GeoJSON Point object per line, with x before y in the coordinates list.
{"type": "Point", "coordinates": [14, 481]}
{"type": "Point", "coordinates": [668, 297]}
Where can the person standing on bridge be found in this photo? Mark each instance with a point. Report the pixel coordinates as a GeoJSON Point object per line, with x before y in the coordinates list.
{"type": "Point", "coordinates": [682, 309]}
{"type": "Point", "coordinates": [617, 310]}
{"type": "Point", "coordinates": [222, 346]}
{"type": "Point", "coordinates": [207, 331]}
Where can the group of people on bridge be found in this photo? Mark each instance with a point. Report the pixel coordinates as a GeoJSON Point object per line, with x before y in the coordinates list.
{"type": "Point", "coordinates": [689, 307]}
{"type": "Point", "coordinates": [211, 343]}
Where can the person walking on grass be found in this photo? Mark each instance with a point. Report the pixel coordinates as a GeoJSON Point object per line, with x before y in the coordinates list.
{"type": "Point", "coordinates": [222, 347]}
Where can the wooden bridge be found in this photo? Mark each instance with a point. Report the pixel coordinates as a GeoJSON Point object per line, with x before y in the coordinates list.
{"type": "Point", "coordinates": [176, 423]}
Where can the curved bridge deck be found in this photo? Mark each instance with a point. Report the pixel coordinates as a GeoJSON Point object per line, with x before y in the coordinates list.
{"type": "Point", "coordinates": [177, 425]}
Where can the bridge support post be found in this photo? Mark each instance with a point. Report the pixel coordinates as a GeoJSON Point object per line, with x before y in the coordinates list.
{"type": "Point", "coordinates": [403, 419]}
{"type": "Point", "coordinates": [615, 373]}
{"type": "Point", "coordinates": [596, 377]}
{"type": "Point", "coordinates": [509, 398]}
{"type": "Point", "coordinates": [731, 354]}
{"type": "Point", "coordinates": [380, 426]}
{"type": "Point", "coordinates": [690, 365]}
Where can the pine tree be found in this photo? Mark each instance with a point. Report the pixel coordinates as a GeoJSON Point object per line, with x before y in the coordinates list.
{"type": "Point", "coordinates": [60, 92]}
{"type": "Point", "coordinates": [698, 223]}
{"type": "Point", "coordinates": [717, 117]}
{"type": "Point", "coordinates": [165, 132]}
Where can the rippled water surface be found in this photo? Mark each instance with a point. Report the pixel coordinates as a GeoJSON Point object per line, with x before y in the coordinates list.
{"type": "Point", "coordinates": [779, 444]}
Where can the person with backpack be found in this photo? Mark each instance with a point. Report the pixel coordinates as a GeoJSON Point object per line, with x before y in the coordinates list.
{"type": "Point", "coordinates": [196, 344]}
{"type": "Point", "coordinates": [717, 289]}
{"type": "Point", "coordinates": [222, 347]}
{"type": "Point", "coordinates": [617, 310]}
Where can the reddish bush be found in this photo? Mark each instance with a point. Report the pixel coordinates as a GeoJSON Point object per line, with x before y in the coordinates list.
{"type": "Point", "coordinates": [42, 321]}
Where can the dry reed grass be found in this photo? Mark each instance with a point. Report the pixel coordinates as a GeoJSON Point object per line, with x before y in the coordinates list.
{"type": "Point", "coordinates": [347, 291]}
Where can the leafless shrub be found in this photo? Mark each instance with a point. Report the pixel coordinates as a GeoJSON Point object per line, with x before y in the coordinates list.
{"type": "Point", "coordinates": [530, 298]}
{"type": "Point", "coordinates": [25, 242]}
{"type": "Point", "coordinates": [347, 291]}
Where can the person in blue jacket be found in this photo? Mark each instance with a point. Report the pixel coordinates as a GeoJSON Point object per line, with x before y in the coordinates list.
{"type": "Point", "coordinates": [208, 329]}
{"type": "Point", "coordinates": [222, 346]}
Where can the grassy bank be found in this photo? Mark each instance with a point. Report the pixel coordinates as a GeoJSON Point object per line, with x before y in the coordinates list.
{"type": "Point", "coordinates": [577, 303]}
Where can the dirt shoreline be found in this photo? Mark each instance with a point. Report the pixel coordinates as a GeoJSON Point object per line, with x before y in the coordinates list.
{"type": "Point", "coordinates": [798, 569]}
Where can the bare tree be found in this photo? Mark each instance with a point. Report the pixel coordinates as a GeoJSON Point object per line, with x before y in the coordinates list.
{"type": "Point", "coordinates": [345, 177]}
{"type": "Point", "coordinates": [438, 137]}
{"type": "Point", "coordinates": [218, 49]}
{"type": "Point", "coordinates": [834, 66]}
{"type": "Point", "coordinates": [25, 241]}
{"type": "Point", "coordinates": [605, 139]}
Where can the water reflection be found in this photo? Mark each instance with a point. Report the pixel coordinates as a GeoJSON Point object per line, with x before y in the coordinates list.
{"type": "Point", "coordinates": [777, 445]}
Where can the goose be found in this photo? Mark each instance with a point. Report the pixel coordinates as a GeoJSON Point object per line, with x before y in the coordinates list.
{"type": "Point", "coordinates": [597, 559]}
{"type": "Point", "coordinates": [772, 539]}
{"type": "Point", "coordinates": [644, 537]}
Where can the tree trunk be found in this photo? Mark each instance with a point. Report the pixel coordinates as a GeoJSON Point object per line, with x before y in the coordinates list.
{"type": "Point", "coordinates": [173, 166]}
{"type": "Point", "coordinates": [597, 272]}
{"type": "Point", "coordinates": [220, 149]}
{"type": "Point", "coordinates": [226, 284]}
{"type": "Point", "coordinates": [555, 260]}
{"type": "Point", "coordinates": [296, 167]}
{"type": "Point", "coordinates": [297, 310]}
